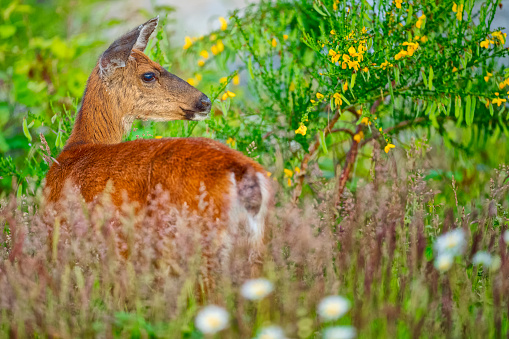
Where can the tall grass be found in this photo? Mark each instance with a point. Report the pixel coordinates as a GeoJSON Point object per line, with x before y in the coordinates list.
{"type": "Point", "coordinates": [97, 272]}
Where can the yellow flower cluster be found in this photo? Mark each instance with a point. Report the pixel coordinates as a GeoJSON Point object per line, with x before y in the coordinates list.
{"type": "Point", "coordinates": [231, 142]}
{"type": "Point", "coordinates": [301, 130]}
{"type": "Point", "coordinates": [385, 64]}
{"type": "Point", "coordinates": [224, 23]}
{"type": "Point", "coordinates": [420, 21]}
{"type": "Point", "coordinates": [487, 77]}
{"type": "Point", "coordinates": [498, 38]}
{"type": "Point", "coordinates": [227, 95]}
{"type": "Point", "coordinates": [347, 59]}
{"type": "Point", "coordinates": [194, 81]}
{"type": "Point", "coordinates": [458, 9]}
{"type": "Point", "coordinates": [388, 147]}
{"type": "Point", "coordinates": [503, 83]}
{"type": "Point", "coordinates": [411, 48]}
{"type": "Point", "coordinates": [337, 99]}
{"type": "Point", "coordinates": [289, 174]}
{"type": "Point", "coordinates": [498, 101]}
{"type": "Point", "coordinates": [398, 3]}
{"type": "Point", "coordinates": [358, 137]}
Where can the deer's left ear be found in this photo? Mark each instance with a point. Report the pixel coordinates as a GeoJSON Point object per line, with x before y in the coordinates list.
{"type": "Point", "coordinates": [119, 51]}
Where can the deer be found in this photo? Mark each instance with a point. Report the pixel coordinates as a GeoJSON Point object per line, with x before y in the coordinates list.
{"type": "Point", "coordinates": [126, 85]}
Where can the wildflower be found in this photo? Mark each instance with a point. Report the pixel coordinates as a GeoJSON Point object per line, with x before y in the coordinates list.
{"type": "Point", "coordinates": [444, 262]}
{"type": "Point", "coordinates": [487, 77]}
{"type": "Point", "coordinates": [288, 173]}
{"type": "Point", "coordinates": [191, 82]}
{"type": "Point", "coordinates": [485, 44]}
{"type": "Point", "coordinates": [319, 95]}
{"type": "Point", "coordinates": [420, 21]}
{"type": "Point", "coordinates": [201, 63]}
{"type": "Point", "coordinates": [498, 101]}
{"type": "Point", "coordinates": [256, 289]}
{"type": "Point", "coordinates": [224, 23]}
{"type": "Point", "coordinates": [231, 94]}
{"type": "Point", "coordinates": [292, 87]}
{"type": "Point", "coordinates": [340, 332]}
{"type": "Point", "coordinates": [365, 121]}
{"type": "Point", "coordinates": [227, 95]}
{"type": "Point", "coordinates": [312, 101]}
{"type": "Point", "coordinates": [388, 147]}
{"type": "Point", "coordinates": [458, 10]}
{"type": "Point", "coordinates": [212, 319]}
{"type": "Point", "coordinates": [274, 42]}
{"type": "Point", "coordinates": [223, 80]}
{"type": "Point", "coordinates": [220, 46]}
{"type": "Point", "coordinates": [214, 50]}
{"type": "Point", "coordinates": [401, 54]}
{"type": "Point", "coordinates": [289, 182]}
{"type": "Point", "coordinates": [454, 69]}
{"type": "Point", "coordinates": [505, 236]}
{"type": "Point", "coordinates": [158, 137]}
{"type": "Point", "coordinates": [385, 64]}
{"type": "Point", "coordinates": [352, 51]}
{"type": "Point", "coordinates": [231, 142]}
{"type": "Point", "coordinates": [236, 80]}
{"type": "Point", "coordinates": [333, 307]}
{"type": "Point", "coordinates": [332, 32]}
{"type": "Point", "coordinates": [358, 137]}
{"type": "Point", "coordinates": [500, 36]}
{"type": "Point", "coordinates": [424, 39]}
{"type": "Point", "coordinates": [337, 99]}
{"type": "Point", "coordinates": [364, 30]}
{"type": "Point", "coordinates": [285, 37]}
{"type": "Point", "coordinates": [188, 42]}
{"type": "Point", "coordinates": [297, 169]}
{"type": "Point", "coordinates": [398, 3]}
{"type": "Point", "coordinates": [345, 86]}
{"type": "Point", "coordinates": [301, 130]}
{"type": "Point", "coordinates": [452, 242]}
{"type": "Point", "coordinates": [204, 54]}
{"type": "Point", "coordinates": [198, 77]}
{"type": "Point", "coordinates": [271, 332]}
{"type": "Point", "coordinates": [213, 37]}
{"type": "Point", "coordinates": [482, 258]}
{"type": "Point", "coordinates": [365, 69]}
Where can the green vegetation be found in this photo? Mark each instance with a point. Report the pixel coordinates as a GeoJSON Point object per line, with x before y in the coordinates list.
{"type": "Point", "coordinates": [384, 126]}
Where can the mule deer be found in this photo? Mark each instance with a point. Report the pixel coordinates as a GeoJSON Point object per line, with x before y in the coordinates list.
{"type": "Point", "coordinates": [126, 85]}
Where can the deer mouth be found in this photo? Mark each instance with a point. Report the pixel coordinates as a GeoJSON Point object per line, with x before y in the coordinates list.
{"type": "Point", "coordinates": [195, 115]}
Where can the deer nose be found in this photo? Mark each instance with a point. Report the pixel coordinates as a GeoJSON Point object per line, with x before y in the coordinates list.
{"type": "Point", "coordinates": [204, 104]}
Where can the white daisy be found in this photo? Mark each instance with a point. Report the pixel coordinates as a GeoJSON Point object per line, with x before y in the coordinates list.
{"type": "Point", "coordinates": [333, 307]}
{"type": "Point", "coordinates": [271, 332]}
{"type": "Point", "coordinates": [444, 262]}
{"type": "Point", "coordinates": [452, 242]}
{"type": "Point", "coordinates": [212, 319]}
{"type": "Point", "coordinates": [256, 289]}
{"type": "Point", "coordinates": [482, 258]}
{"type": "Point", "coordinates": [340, 332]}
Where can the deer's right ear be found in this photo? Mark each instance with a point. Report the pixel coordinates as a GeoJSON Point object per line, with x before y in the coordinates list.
{"type": "Point", "coordinates": [119, 51]}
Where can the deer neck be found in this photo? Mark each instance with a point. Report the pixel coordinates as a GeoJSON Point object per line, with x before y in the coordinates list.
{"type": "Point", "coordinates": [100, 119]}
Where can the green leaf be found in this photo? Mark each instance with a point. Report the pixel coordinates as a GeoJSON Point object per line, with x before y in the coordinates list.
{"type": "Point", "coordinates": [352, 81]}
{"type": "Point", "coordinates": [323, 143]}
{"type": "Point", "coordinates": [315, 6]}
{"type": "Point", "coordinates": [26, 132]}
{"type": "Point", "coordinates": [424, 78]}
{"type": "Point", "coordinates": [6, 31]}
{"type": "Point", "coordinates": [344, 99]}
{"type": "Point", "coordinates": [468, 111]}
{"type": "Point", "coordinates": [430, 79]}
{"type": "Point", "coordinates": [491, 109]}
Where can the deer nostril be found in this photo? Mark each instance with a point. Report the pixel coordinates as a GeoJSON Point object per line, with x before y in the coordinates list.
{"type": "Point", "coordinates": [205, 103]}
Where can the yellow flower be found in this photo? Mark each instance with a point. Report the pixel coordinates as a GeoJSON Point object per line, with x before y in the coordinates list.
{"type": "Point", "coordinates": [236, 80]}
{"type": "Point", "coordinates": [231, 94]}
{"type": "Point", "coordinates": [188, 42]}
{"type": "Point", "coordinates": [213, 37]}
{"type": "Point", "coordinates": [500, 85]}
{"type": "Point", "coordinates": [158, 137]}
{"type": "Point", "coordinates": [364, 30]}
{"type": "Point", "coordinates": [398, 3]}
{"type": "Point", "coordinates": [297, 170]}
{"type": "Point", "coordinates": [285, 37]}
{"type": "Point", "coordinates": [312, 101]}
{"type": "Point", "coordinates": [332, 32]}
{"type": "Point", "coordinates": [301, 130]}
{"type": "Point", "coordinates": [319, 95]}
{"type": "Point", "coordinates": [191, 82]}
{"type": "Point", "coordinates": [380, 129]}
{"type": "Point", "coordinates": [352, 51]}
{"type": "Point", "coordinates": [289, 182]}
{"type": "Point", "coordinates": [365, 69]}
{"type": "Point", "coordinates": [400, 55]}
{"type": "Point", "coordinates": [224, 97]}
{"type": "Point", "coordinates": [269, 174]}
{"type": "Point", "coordinates": [227, 95]}
{"type": "Point", "coordinates": [201, 63]}
{"type": "Point", "coordinates": [204, 54]}
{"type": "Point", "coordinates": [485, 44]}
{"type": "Point", "coordinates": [292, 87]}
{"type": "Point", "coordinates": [358, 137]}
{"type": "Point", "coordinates": [214, 50]}
{"type": "Point", "coordinates": [345, 86]}
{"type": "Point", "coordinates": [274, 42]}
{"type": "Point", "coordinates": [498, 101]}
{"type": "Point", "coordinates": [231, 142]}
{"type": "Point", "coordinates": [458, 10]}
{"type": "Point", "coordinates": [424, 39]}
{"type": "Point", "coordinates": [337, 99]}
{"type": "Point", "coordinates": [223, 80]}
{"type": "Point", "coordinates": [224, 23]}
{"type": "Point", "coordinates": [454, 69]}
{"type": "Point", "coordinates": [366, 121]}
{"type": "Point", "coordinates": [198, 77]}
{"type": "Point", "coordinates": [388, 147]}
{"type": "Point", "coordinates": [500, 36]}
{"type": "Point", "coordinates": [220, 46]}
{"type": "Point", "coordinates": [288, 173]}
{"type": "Point", "coordinates": [420, 20]}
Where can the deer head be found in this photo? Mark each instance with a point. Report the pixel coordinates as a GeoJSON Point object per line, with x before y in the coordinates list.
{"type": "Point", "coordinates": [148, 91]}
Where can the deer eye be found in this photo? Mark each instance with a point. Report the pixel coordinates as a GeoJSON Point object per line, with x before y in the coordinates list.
{"type": "Point", "coordinates": [148, 77]}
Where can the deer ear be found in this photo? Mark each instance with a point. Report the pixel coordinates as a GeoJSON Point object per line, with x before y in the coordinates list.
{"type": "Point", "coordinates": [119, 51]}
